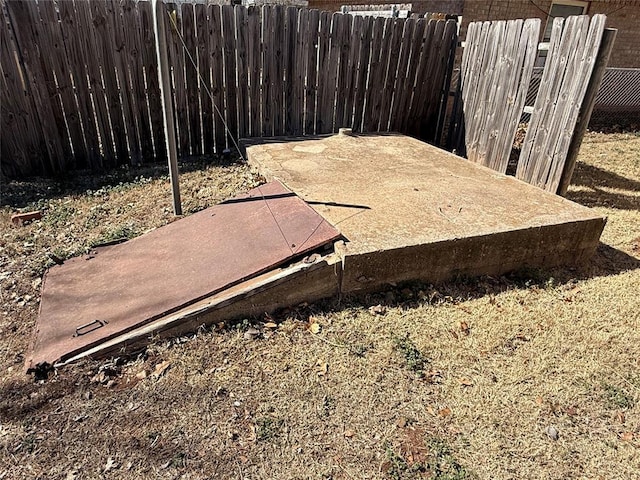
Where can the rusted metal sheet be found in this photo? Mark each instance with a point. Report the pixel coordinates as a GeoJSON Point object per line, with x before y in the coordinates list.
{"type": "Point", "coordinates": [114, 289]}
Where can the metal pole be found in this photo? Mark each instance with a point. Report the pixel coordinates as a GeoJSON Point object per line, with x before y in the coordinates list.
{"type": "Point", "coordinates": [167, 104]}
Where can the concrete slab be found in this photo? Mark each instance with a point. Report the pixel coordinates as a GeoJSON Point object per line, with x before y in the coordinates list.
{"type": "Point", "coordinates": [411, 211]}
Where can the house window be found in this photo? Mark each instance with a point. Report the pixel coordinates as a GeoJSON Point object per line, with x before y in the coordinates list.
{"type": "Point", "coordinates": [564, 9]}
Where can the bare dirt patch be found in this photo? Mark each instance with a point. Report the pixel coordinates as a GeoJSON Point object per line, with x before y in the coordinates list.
{"type": "Point", "coordinates": [531, 375]}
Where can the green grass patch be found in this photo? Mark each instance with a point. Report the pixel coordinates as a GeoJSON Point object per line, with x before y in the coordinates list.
{"type": "Point", "coordinates": [414, 359]}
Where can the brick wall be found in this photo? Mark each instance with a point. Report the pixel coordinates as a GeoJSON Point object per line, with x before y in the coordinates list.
{"type": "Point", "coordinates": [453, 7]}
{"type": "Point", "coordinates": [621, 14]}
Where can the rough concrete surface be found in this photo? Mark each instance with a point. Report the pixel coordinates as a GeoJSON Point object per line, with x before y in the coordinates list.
{"type": "Point", "coordinates": [411, 211]}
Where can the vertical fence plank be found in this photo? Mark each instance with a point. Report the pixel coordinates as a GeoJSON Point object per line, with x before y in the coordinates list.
{"type": "Point", "coordinates": [277, 77]}
{"type": "Point", "coordinates": [312, 72]}
{"type": "Point", "coordinates": [204, 80]}
{"type": "Point", "coordinates": [331, 78]}
{"type": "Point", "coordinates": [21, 136]}
{"type": "Point", "coordinates": [424, 80]}
{"type": "Point", "coordinates": [255, 69]}
{"type": "Point", "coordinates": [268, 109]}
{"type": "Point", "coordinates": [74, 39]}
{"type": "Point", "coordinates": [133, 55]}
{"type": "Point", "coordinates": [343, 70]}
{"type": "Point", "coordinates": [400, 83]}
{"type": "Point", "coordinates": [105, 54]}
{"type": "Point", "coordinates": [437, 94]}
{"type": "Point", "coordinates": [363, 71]}
{"type": "Point", "coordinates": [324, 67]}
{"type": "Point", "coordinates": [229, 50]}
{"type": "Point", "coordinates": [351, 76]}
{"type": "Point", "coordinates": [406, 94]}
{"type": "Point", "coordinates": [379, 55]}
{"type": "Point", "coordinates": [394, 37]}
{"type": "Point", "coordinates": [27, 43]}
{"type": "Point", "coordinates": [55, 61]}
{"type": "Point", "coordinates": [191, 75]}
{"type": "Point", "coordinates": [116, 42]}
{"type": "Point", "coordinates": [289, 58]}
{"type": "Point", "coordinates": [150, 62]}
{"type": "Point", "coordinates": [98, 94]}
{"type": "Point", "coordinates": [217, 75]}
{"type": "Point", "coordinates": [300, 72]}
{"type": "Point", "coordinates": [173, 22]}
{"type": "Point", "coordinates": [242, 24]}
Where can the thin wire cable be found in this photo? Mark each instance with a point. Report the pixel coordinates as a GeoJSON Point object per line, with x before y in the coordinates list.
{"type": "Point", "coordinates": [202, 82]}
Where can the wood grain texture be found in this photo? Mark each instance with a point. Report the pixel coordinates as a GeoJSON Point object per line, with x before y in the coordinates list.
{"type": "Point", "coordinates": [572, 54]}
{"type": "Point", "coordinates": [217, 75]}
{"type": "Point", "coordinates": [273, 70]}
{"type": "Point", "coordinates": [495, 73]}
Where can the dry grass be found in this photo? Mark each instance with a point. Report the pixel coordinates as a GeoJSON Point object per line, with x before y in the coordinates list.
{"type": "Point", "coordinates": [461, 380]}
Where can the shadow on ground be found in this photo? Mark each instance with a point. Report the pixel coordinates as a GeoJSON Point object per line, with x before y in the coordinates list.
{"type": "Point", "coordinates": [19, 194]}
{"type": "Point", "coordinates": [597, 179]}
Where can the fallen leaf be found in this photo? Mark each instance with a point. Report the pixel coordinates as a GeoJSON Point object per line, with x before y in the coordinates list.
{"type": "Point", "coordinates": [378, 310]}
{"type": "Point", "coordinates": [619, 416]}
{"type": "Point", "coordinates": [270, 325]}
{"type": "Point", "coordinates": [445, 412]}
{"type": "Point", "coordinates": [431, 411]}
{"type": "Point", "coordinates": [142, 374]}
{"type": "Point", "coordinates": [466, 382]}
{"type": "Point", "coordinates": [315, 328]}
{"type": "Point", "coordinates": [539, 400]}
{"type": "Point", "coordinates": [402, 422]}
{"type": "Point", "coordinates": [322, 368]}
{"type": "Point", "coordinates": [552, 432]}
{"type": "Point", "coordinates": [251, 334]}
{"type": "Point", "coordinates": [349, 433]}
{"type": "Point", "coordinates": [626, 436]}
{"type": "Point", "coordinates": [160, 369]}
{"type": "Point", "coordinates": [111, 465]}
{"type": "Point", "coordinates": [464, 326]}
{"type": "Point", "coordinates": [571, 411]}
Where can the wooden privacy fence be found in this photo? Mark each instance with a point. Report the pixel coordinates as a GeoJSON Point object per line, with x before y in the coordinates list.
{"type": "Point", "coordinates": [81, 86]}
{"type": "Point", "coordinates": [495, 74]}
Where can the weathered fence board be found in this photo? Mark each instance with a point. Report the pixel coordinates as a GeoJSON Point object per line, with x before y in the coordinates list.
{"type": "Point", "coordinates": [217, 74]}
{"type": "Point", "coordinates": [496, 71]}
{"type": "Point", "coordinates": [26, 42]}
{"type": "Point", "coordinates": [59, 81]}
{"type": "Point", "coordinates": [255, 69]}
{"type": "Point", "coordinates": [105, 55]}
{"type": "Point", "coordinates": [311, 72]}
{"type": "Point", "coordinates": [191, 76]}
{"type": "Point", "coordinates": [92, 86]}
{"type": "Point", "coordinates": [21, 136]}
{"type": "Point", "coordinates": [572, 55]}
{"type": "Point", "coordinates": [150, 64]}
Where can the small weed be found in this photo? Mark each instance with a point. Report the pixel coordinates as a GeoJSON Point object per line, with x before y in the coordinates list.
{"type": "Point", "coordinates": [268, 428]}
{"type": "Point", "coordinates": [442, 464]}
{"type": "Point", "coordinates": [617, 397]}
{"type": "Point", "coordinates": [397, 467]}
{"type": "Point", "coordinates": [179, 460]}
{"type": "Point", "coordinates": [59, 215]}
{"type": "Point", "coordinates": [243, 325]}
{"type": "Point", "coordinates": [358, 349]}
{"type": "Point", "coordinates": [414, 358]}
{"type": "Point", "coordinates": [328, 404]}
